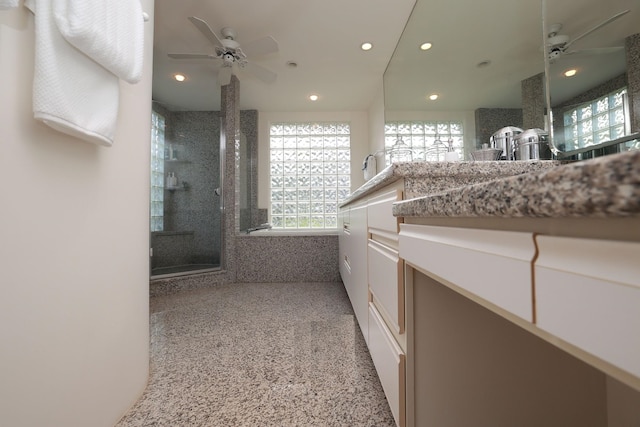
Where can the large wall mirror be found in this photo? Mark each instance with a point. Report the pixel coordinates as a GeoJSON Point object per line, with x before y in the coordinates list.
{"type": "Point", "coordinates": [480, 54]}
{"type": "Point", "coordinates": [592, 73]}
{"type": "Point", "coordinates": [487, 65]}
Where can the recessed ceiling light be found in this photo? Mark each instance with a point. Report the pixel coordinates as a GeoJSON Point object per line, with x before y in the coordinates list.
{"type": "Point", "coordinates": [570, 73]}
{"type": "Point", "coordinates": [313, 97]}
{"type": "Point", "coordinates": [180, 77]}
{"type": "Point", "coordinates": [366, 46]}
{"type": "Point", "coordinates": [483, 64]}
{"type": "Point", "coordinates": [433, 97]}
{"type": "Point", "coordinates": [425, 46]}
{"type": "Point", "coordinates": [292, 64]}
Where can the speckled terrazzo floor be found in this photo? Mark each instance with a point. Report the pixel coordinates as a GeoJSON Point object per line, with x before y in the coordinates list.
{"type": "Point", "coordinates": [282, 354]}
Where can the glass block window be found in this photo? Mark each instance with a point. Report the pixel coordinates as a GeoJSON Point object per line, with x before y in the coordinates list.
{"type": "Point", "coordinates": [157, 171]}
{"type": "Point", "coordinates": [597, 121]}
{"type": "Point", "coordinates": [310, 172]}
{"type": "Point", "coordinates": [427, 139]}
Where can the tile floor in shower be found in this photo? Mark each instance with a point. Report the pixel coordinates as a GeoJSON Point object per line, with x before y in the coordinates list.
{"type": "Point", "coordinates": [278, 354]}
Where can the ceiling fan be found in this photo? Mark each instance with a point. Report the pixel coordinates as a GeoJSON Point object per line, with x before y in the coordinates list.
{"type": "Point", "coordinates": [228, 51]}
{"type": "Point", "coordinates": [558, 44]}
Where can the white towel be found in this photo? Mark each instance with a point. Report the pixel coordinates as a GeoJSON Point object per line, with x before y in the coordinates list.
{"type": "Point", "coordinates": [109, 32]}
{"type": "Point", "coordinates": [8, 4]}
{"type": "Point", "coordinates": [71, 93]}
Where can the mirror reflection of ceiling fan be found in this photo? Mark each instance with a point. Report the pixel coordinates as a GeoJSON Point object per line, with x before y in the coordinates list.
{"type": "Point", "coordinates": [559, 44]}
{"type": "Point", "coordinates": [227, 50]}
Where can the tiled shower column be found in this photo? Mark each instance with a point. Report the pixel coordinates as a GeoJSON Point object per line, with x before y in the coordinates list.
{"type": "Point", "coordinates": [533, 102]}
{"type": "Point", "coordinates": [229, 143]}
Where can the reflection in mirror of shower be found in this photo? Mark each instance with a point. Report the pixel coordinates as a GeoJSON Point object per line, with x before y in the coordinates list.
{"type": "Point", "coordinates": [191, 235]}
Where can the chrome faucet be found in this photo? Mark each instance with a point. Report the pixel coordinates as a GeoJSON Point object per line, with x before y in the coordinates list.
{"type": "Point", "coordinates": [265, 226]}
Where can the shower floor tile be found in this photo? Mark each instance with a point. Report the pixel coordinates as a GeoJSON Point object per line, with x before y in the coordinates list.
{"type": "Point", "coordinates": [277, 354]}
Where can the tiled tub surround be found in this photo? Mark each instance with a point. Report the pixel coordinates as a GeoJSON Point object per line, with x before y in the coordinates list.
{"type": "Point", "coordinates": [264, 258]}
{"type": "Point", "coordinates": [422, 178]}
{"type": "Point", "coordinates": [238, 354]}
{"type": "Point", "coordinates": [603, 187]}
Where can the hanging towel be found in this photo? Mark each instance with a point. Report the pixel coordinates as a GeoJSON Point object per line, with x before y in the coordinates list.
{"type": "Point", "coordinates": [8, 4]}
{"type": "Point", "coordinates": [71, 93]}
{"type": "Point", "coordinates": [109, 32]}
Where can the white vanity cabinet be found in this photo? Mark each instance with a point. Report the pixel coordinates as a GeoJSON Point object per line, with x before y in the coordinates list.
{"type": "Point", "coordinates": [559, 301]}
{"type": "Point", "coordinates": [387, 339]}
{"type": "Point", "coordinates": [353, 260]}
{"type": "Point", "coordinates": [373, 275]}
{"type": "Point", "coordinates": [588, 294]}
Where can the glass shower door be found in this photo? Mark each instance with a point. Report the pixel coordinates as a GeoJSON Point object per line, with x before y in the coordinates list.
{"type": "Point", "coordinates": [186, 234]}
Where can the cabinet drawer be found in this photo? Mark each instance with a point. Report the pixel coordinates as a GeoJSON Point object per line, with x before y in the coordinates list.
{"type": "Point", "coordinates": [389, 361]}
{"type": "Point", "coordinates": [588, 294]}
{"type": "Point", "coordinates": [492, 265]}
{"type": "Point", "coordinates": [386, 283]}
{"type": "Point", "coordinates": [379, 211]}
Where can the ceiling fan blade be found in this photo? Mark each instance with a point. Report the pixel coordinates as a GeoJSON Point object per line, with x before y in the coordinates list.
{"type": "Point", "coordinates": [595, 51]}
{"type": "Point", "coordinates": [205, 30]}
{"type": "Point", "coordinates": [224, 76]}
{"type": "Point", "coordinates": [264, 74]}
{"type": "Point", "coordinates": [597, 27]}
{"type": "Point", "coordinates": [261, 46]}
{"type": "Point", "coordinates": [190, 56]}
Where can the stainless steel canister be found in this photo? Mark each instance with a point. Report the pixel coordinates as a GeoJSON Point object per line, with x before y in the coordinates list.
{"type": "Point", "coordinates": [532, 144]}
{"type": "Point", "coordinates": [503, 139]}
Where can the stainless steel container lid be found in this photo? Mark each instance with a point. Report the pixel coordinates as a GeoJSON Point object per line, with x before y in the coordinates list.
{"type": "Point", "coordinates": [511, 131]}
{"type": "Point", "coordinates": [532, 136]}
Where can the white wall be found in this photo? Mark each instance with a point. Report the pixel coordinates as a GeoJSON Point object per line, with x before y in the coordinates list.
{"type": "Point", "coordinates": [73, 253]}
{"type": "Point", "coordinates": [359, 143]}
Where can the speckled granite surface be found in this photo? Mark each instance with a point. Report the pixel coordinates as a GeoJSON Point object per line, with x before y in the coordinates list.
{"type": "Point", "coordinates": [607, 186]}
{"type": "Point", "coordinates": [422, 178]}
{"type": "Point", "coordinates": [287, 258]}
{"type": "Point", "coordinates": [259, 355]}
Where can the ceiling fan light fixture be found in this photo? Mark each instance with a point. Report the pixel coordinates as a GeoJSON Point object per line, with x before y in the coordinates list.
{"type": "Point", "coordinates": [366, 46]}
{"type": "Point", "coordinates": [179, 77]}
{"type": "Point", "coordinates": [426, 46]}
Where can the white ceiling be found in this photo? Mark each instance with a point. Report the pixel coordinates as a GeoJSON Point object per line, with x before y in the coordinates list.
{"type": "Point", "coordinates": [322, 37]}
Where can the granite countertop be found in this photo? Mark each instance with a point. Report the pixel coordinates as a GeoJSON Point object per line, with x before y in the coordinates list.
{"type": "Point", "coordinates": [424, 178]}
{"type": "Point", "coordinates": [606, 186]}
